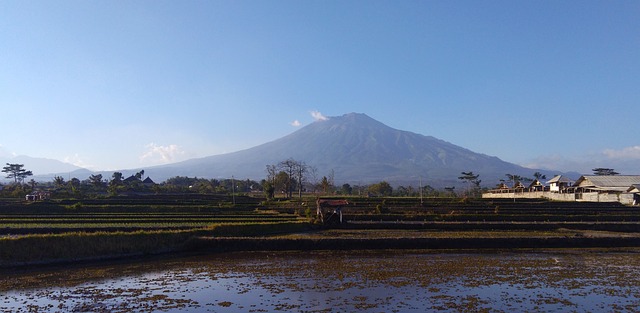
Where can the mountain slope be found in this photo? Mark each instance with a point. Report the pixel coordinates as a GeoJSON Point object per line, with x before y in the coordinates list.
{"type": "Point", "coordinates": [40, 166]}
{"type": "Point", "coordinates": [358, 149]}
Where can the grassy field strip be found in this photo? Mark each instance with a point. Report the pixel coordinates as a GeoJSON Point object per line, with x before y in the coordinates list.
{"type": "Point", "coordinates": [74, 246]}
{"type": "Point", "coordinates": [102, 225]}
{"type": "Point", "coordinates": [140, 220]}
{"type": "Point", "coordinates": [376, 233]}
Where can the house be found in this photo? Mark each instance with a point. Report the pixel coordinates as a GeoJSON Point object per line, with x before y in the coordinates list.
{"type": "Point", "coordinates": [559, 183]}
{"type": "Point", "coordinates": [606, 183]}
{"type": "Point", "coordinates": [536, 185]}
{"type": "Point", "coordinates": [518, 186]}
{"type": "Point", "coordinates": [624, 189]}
{"type": "Point", "coordinates": [131, 179]}
{"type": "Point", "coordinates": [148, 182]}
{"type": "Point", "coordinates": [136, 179]}
{"type": "Point", "coordinates": [607, 188]}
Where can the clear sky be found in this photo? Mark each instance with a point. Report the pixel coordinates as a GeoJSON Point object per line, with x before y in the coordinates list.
{"type": "Point", "coordinates": [126, 84]}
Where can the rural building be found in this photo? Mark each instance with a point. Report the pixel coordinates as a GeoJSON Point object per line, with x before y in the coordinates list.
{"type": "Point", "coordinates": [606, 188]}
{"type": "Point", "coordinates": [133, 178]}
{"type": "Point", "coordinates": [593, 188]}
{"type": "Point", "coordinates": [148, 182]}
{"type": "Point", "coordinates": [38, 195]}
{"type": "Point", "coordinates": [559, 183]}
{"type": "Point", "coordinates": [536, 185]}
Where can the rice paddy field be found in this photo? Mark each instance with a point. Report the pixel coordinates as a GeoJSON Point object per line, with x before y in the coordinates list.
{"type": "Point", "coordinates": [198, 253]}
{"type": "Point", "coordinates": [107, 228]}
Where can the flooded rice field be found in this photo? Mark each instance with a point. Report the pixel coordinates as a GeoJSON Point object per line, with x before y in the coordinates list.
{"type": "Point", "coordinates": [347, 281]}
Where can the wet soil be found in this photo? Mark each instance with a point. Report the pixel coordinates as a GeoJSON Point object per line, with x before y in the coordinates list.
{"type": "Point", "coordinates": [576, 280]}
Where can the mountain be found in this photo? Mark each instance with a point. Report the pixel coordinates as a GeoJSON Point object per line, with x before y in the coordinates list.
{"type": "Point", "coordinates": [359, 150]}
{"type": "Point", "coordinates": [41, 167]}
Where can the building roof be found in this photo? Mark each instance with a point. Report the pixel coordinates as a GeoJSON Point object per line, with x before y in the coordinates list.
{"type": "Point", "coordinates": [535, 183]}
{"type": "Point", "coordinates": [329, 202]}
{"type": "Point", "coordinates": [130, 179]}
{"type": "Point", "coordinates": [148, 180]}
{"type": "Point", "coordinates": [608, 182]}
{"type": "Point", "coordinates": [635, 188]}
{"type": "Point", "coordinates": [559, 179]}
{"type": "Point", "coordinates": [518, 185]}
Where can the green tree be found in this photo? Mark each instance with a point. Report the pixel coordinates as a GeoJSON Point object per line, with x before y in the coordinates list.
{"type": "Point", "coordinates": [282, 182]}
{"type": "Point", "coordinates": [58, 181]}
{"type": "Point", "coordinates": [346, 189]}
{"type": "Point", "coordinates": [17, 172]}
{"type": "Point", "coordinates": [601, 171]}
{"type": "Point", "coordinates": [513, 178]}
{"type": "Point", "coordinates": [451, 190]}
{"type": "Point", "coordinates": [268, 189]}
{"type": "Point", "coordinates": [325, 185]}
{"type": "Point", "coordinates": [473, 183]}
{"type": "Point", "coordinates": [381, 189]}
{"type": "Point", "coordinates": [74, 186]}
{"type": "Point", "coordinates": [33, 184]}
{"type": "Point", "coordinates": [116, 179]}
{"type": "Point", "coordinates": [539, 176]}
{"type": "Point", "coordinates": [116, 183]}
{"type": "Point", "coordinates": [96, 181]}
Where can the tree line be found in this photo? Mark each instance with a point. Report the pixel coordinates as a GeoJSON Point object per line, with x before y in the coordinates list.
{"type": "Point", "coordinates": [282, 179]}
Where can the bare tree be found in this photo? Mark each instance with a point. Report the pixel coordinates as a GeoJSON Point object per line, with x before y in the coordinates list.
{"type": "Point", "coordinates": [301, 170]}
{"type": "Point", "coordinates": [313, 177]}
{"type": "Point", "coordinates": [289, 166]}
{"type": "Point", "coordinates": [272, 172]}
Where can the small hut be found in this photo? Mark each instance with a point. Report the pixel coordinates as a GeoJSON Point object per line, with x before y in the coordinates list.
{"type": "Point", "coordinates": [329, 211]}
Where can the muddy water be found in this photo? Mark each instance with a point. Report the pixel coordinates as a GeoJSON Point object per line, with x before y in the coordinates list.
{"type": "Point", "coordinates": [381, 281]}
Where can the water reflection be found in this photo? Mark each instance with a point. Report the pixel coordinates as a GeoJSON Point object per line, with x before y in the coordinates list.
{"type": "Point", "coordinates": [380, 281]}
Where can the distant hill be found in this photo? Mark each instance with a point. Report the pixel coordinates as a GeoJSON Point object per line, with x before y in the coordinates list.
{"type": "Point", "coordinates": [359, 150]}
{"type": "Point", "coordinates": [41, 167]}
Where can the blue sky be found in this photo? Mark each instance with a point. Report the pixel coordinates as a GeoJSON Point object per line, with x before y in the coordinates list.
{"type": "Point", "coordinates": [127, 84]}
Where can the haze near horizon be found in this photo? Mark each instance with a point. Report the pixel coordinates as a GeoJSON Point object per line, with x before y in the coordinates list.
{"type": "Point", "coordinates": [110, 86]}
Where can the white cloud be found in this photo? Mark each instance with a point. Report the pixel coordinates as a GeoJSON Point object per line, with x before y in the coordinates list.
{"type": "Point", "coordinates": [77, 161]}
{"type": "Point", "coordinates": [157, 154]}
{"type": "Point", "coordinates": [628, 153]}
{"type": "Point", "coordinates": [5, 153]}
{"type": "Point", "coordinates": [295, 123]}
{"type": "Point", "coordinates": [318, 116]}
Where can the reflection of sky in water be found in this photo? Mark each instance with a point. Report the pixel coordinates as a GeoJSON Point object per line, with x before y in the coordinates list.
{"type": "Point", "coordinates": [376, 282]}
